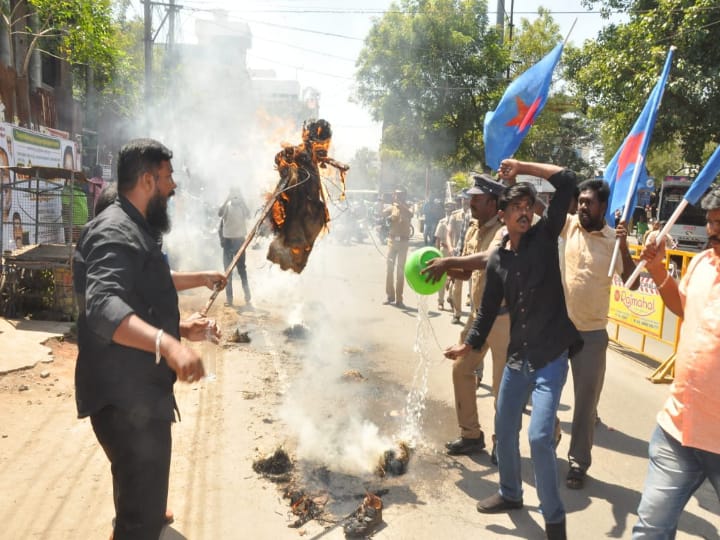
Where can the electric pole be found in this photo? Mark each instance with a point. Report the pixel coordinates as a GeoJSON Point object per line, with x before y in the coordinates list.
{"type": "Point", "coordinates": [500, 16]}
{"type": "Point", "coordinates": [148, 51]}
{"type": "Point", "coordinates": [171, 26]}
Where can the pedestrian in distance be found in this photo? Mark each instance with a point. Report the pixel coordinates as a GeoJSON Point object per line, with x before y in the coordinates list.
{"type": "Point", "coordinates": [684, 448]}
{"type": "Point", "coordinates": [458, 224]}
{"type": "Point", "coordinates": [234, 215]}
{"type": "Point", "coordinates": [400, 216]}
{"type": "Point", "coordinates": [443, 244]}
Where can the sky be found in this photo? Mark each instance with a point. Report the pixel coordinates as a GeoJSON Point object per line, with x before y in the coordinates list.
{"type": "Point", "coordinates": [316, 42]}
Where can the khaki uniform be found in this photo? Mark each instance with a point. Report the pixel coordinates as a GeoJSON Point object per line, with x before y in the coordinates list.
{"type": "Point", "coordinates": [441, 232]}
{"type": "Point", "coordinates": [455, 287]}
{"type": "Point", "coordinates": [479, 238]}
{"type": "Point", "coordinates": [398, 241]}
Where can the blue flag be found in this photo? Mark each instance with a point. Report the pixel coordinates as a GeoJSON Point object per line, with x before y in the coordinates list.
{"type": "Point", "coordinates": [506, 126]}
{"type": "Point", "coordinates": [621, 172]}
{"type": "Point", "coordinates": [704, 179]}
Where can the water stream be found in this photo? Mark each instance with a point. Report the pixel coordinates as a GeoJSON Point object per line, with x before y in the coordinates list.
{"type": "Point", "coordinates": [411, 430]}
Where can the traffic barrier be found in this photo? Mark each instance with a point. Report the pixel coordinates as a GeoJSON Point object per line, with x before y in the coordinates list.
{"type": "Point", "coordinates": [639, 320]}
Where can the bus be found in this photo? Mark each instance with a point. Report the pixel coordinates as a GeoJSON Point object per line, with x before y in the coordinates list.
{"type": "Point", "coordinates": [689, 231]}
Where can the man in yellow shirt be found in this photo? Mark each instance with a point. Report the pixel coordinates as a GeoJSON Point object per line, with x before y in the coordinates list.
{"type": "Point", "coordinates": [400, 216]}
{"type": "Point", "coordinates": [588, 247]}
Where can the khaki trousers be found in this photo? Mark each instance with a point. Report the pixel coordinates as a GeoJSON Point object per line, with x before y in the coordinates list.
{"type": "Point", "coordinates": [463, 373]}
{"type": "Point", "coordinates": [395, 272]}
{"type": "Point", "coordinates": [455, 295]}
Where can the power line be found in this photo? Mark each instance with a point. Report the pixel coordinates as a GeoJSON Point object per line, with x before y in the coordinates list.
{"type": "Point", "coordinates": [300, 68]}
{"type": "Point", "coordinates": [312, 51]}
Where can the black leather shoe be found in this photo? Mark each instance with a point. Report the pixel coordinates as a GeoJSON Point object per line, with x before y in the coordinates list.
{"type": "Point", "coordinates": [493, 452]}
{"type": "Point", "coordinates": [496, 504]}
{"type": "Point", "coordinates": [463, 446]}
{"type": "Point", "coordinates": [556, 531]}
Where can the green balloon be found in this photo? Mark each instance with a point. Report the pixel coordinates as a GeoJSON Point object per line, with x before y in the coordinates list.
{"type": "Point", "coordinates": [416, 261]}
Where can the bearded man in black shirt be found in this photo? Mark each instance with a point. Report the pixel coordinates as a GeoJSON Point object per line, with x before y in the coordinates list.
{"type": "Point", "coordinates": [525, 272]}
{"type": "Point", "coordinates": [129, 330]}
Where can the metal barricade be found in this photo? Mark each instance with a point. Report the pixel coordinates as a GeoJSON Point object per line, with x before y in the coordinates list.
{"type": "Point", "coordinates": [639, 320]}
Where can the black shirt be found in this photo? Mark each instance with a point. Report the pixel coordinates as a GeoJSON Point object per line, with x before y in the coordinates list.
{"type": "Point", "coordinates": [118, 270]}
{"type": "Point", "coordinates": [529, 281]}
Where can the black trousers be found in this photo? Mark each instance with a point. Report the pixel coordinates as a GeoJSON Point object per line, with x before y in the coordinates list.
{"type": "Point", "coordinates": [139, 451]}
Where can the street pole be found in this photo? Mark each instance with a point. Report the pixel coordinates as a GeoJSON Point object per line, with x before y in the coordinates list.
{"type": "Point", "coordinates": [171, 27]}
{"type": "Point", "coordinates": [148, 52]}
{"type": "Point", "coordinates": [500, 16]}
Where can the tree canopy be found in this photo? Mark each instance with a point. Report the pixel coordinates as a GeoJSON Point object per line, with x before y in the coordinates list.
{"type": "Point", "coordinates": [615, 73]}
{"type": "Point", "coordinates": [430, 69]}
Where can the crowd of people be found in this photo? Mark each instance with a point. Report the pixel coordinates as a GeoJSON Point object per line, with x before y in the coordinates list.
{"type": "Point", "coordinates": [557, 322]}
{"type": "Point", "coordinates": [539, 319]}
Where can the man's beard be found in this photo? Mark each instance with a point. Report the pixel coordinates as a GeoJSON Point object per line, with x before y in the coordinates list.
{"type": "Point", "coordinates": [157, 214]}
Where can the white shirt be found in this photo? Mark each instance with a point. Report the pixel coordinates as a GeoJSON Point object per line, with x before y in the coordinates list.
{"type": "Point", "coordinates": [234, 218]}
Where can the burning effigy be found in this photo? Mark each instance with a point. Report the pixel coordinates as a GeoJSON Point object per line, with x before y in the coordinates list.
{"type": "Point", "coordinates": [299, 213]}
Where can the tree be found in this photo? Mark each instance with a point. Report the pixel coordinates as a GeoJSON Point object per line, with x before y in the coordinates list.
{"type": "Point", "coordinates": [78, 31]}
{"type": "Point", "coordinates": [429, 70]}
{"type": "Point", "coordinates": [364, 169]}
{"type": "Point", "coordinates": [616, 73]}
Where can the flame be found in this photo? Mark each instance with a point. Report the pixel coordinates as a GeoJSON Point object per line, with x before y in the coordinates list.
{"type": "Point", "coordinates": [278, 211]}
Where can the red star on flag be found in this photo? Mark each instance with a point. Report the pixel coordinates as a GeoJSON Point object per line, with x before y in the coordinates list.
{"type": "Point", "coordinates": [629, 152]}
{"type": "Point", "coordinates": [525, 115]}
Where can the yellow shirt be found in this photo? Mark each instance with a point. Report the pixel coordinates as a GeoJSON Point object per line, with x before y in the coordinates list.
{"type": "Point", "coordinates": [587, 285]}
{"type": "Point", "coordinates": [477, 239]}
{"type": "Point", "coordinates": [691, 414]}
{"type": "Point", "coordinates": [455, 226]}
{"type": "Point", "coordinates": [400, 217]}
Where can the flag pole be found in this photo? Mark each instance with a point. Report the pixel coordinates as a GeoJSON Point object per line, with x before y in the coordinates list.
{"type": "Point", "coordinates": [570, 32]}
{"type": "Point", "coordinates": [626, 212]}
{"type": "Point", "coordinates": [660, 238]}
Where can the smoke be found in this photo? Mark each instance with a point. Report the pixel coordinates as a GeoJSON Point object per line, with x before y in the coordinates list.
{"type": "Point", "coordinates": [223, 137]}
{"type": "Point", "coordinates": [323, 408]}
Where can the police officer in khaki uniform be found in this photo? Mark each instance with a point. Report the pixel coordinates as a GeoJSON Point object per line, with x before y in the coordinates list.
{"type": "Point", "coordinates": [400, 216]}
{"type": "Point", "coordinates": [482, 237]}
{"type": "Point", "coordinates": [444, 244]}
{"type": "Point", "coordinates": [458, 224]}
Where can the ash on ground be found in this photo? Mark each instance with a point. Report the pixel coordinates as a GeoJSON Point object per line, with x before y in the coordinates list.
{"type": "Point", "coordinates": [353, 375]}
{"type": "Point", "coordinates": [238, 337]}
{"type": "Point", "coordinates": [297, 331]}
{"type": "Point", "coordinates": [305, 506]}
{"type": "Point", "coordinates": [275, 467]}
{"type": "Point", "coordinates": [394, 461]}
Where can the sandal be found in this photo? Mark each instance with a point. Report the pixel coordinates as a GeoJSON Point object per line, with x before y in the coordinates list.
{"type": "Point", "coordinates": [575, 478]}
{"type": "Point", "coordinates": [363, 521]}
